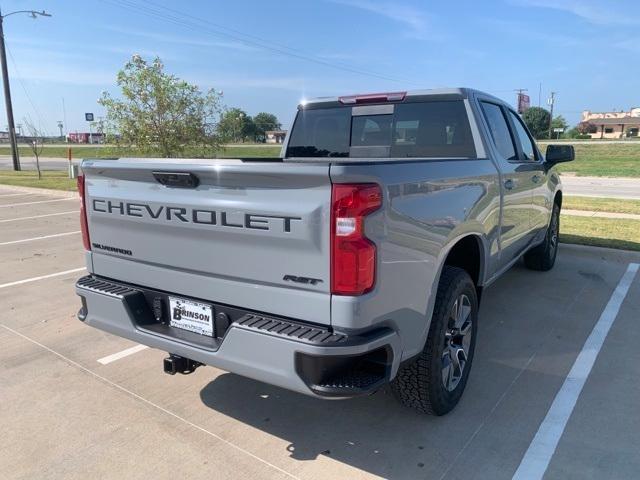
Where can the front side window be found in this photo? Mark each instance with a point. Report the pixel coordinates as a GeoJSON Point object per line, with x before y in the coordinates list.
{"type": "Point", "coordinates": [499, 130]}
{"type": "Point", "coordinates": [523, 137]}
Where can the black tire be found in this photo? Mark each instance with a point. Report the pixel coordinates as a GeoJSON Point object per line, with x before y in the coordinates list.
{"type": "Point", "coordinates": [543, 257]}
{"type": "Point", "coordinates": [421, 384]}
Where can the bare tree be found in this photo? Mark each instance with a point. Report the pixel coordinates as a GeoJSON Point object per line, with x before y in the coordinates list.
{"type": "Point", "coordinates": [35, 142]}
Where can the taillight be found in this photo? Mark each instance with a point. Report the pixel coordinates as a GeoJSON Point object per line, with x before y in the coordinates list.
{"type": "Point", "coordinates": [353, 255]}
{"type": "Point", "coordinates": [83, 214]}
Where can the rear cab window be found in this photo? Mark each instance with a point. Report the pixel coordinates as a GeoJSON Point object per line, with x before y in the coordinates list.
{"type": "Point", "coordinates": [437, 129]}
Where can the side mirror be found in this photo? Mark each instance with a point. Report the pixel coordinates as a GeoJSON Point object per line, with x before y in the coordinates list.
{"type": "Point", "coordinates": [559, 153]}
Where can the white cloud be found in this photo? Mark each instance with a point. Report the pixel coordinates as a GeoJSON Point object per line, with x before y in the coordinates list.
{"type": "Point", "coordinates": [419, 24]}
{"type": "Point", "coordinates": [593, 11]}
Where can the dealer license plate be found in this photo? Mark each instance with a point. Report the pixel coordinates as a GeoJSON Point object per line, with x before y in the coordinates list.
{"type": "Point", "coordinates": [193, 316]}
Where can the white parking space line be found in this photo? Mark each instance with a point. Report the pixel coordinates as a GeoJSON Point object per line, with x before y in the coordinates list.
{"type": "Point", "coordinates": [151, 404]}
{"type": "Point", "coordinates": [124, 353]}
{"type": "Point", "coordinates": [39, 216]}
{"type": "Point", "coordinates": [41, 277]}
{"type": "Point", "coordinates": [40, 201]}
{"type": "Point", "coordinates": [12, 242]}
{"type": "Point", "coordinates": [537, 457]}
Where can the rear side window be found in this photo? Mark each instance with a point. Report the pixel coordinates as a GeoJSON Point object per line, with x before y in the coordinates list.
{"type": "Point", "coordinates": [499, 130]}
{"type": "Point", "coordinates": [424, 129]}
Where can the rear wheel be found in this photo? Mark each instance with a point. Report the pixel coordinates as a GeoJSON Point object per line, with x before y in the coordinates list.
{"type": "Point", "coordinates": [543, 257]}
{"type": "Point", "coordinates": [434, 382]}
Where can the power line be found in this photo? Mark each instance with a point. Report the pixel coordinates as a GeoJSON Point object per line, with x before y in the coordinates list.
{"type": "Point", "coordinates": [26, 92]}
{"type": "Point", "coordinates": [182, 19]}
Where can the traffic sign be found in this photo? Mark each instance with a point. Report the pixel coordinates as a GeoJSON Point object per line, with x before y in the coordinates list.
{"type": "Point", "coordinates": [88, 117]}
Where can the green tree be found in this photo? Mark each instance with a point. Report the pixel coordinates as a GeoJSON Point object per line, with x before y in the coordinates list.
{"type": "Point", "coordinates": [559, 122]}
{"type": "Point", "coordinates": [537, 120]}
{"type": "Point", "coordinates": [236, 126]}
{"type": "Point", "coordinates": [264, 122]}
{"type": "Point", "coordinates": [586, 127]}
{"type": "Point", "coordinates": [160, 114]}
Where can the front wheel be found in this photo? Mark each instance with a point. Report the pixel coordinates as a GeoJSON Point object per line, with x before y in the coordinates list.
{"type": "Point", "coordinates": [543, 257]}
{"type": "Point", "coordinates": [433, 383]}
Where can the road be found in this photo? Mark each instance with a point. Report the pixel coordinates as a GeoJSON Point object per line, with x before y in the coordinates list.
{"type": "Point", "coordinates": [80, 403]}
{"type": "Point", "coordinates": [625, 188]}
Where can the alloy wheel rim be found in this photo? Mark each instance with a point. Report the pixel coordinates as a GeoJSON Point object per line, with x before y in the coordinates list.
{"type": "Point", "coordinates": [457, 342]}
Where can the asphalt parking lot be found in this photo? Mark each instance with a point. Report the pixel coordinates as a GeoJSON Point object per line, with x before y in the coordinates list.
{"type": "Point", "coordinates": [80, 403]}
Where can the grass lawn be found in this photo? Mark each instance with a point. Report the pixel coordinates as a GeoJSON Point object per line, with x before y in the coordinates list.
{"type": "Point", "coordinates": [106, 151]}
{"type": "Point", "coordinates": [614, 205]}
{"type": "Point", "coordinates": [604, 160]}
{"type": "Point", "coordinates": [601, 232]}
{"type": "Point", "coordinates": [55, 180]}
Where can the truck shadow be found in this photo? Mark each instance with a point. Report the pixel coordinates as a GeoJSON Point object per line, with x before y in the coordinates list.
{"type": "Point", "coordinates": [379, 436]}
{"type": "Point", "coordinates": [374, 434]}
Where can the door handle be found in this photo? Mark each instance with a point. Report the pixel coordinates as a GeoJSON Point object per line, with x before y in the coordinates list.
{"type": "Point", "coordinates": [536, 178]}
{"type": "Point", "coordinates": [509, 184]}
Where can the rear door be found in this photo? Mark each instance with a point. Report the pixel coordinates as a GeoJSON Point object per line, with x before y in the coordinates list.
{"type": "Point", "coordinates": [531, 161]}
{"type": "Point", "coordinates": [515, 230]}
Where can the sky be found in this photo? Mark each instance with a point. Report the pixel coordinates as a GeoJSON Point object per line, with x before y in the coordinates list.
{"type": "Point", "coordinates": [267, 56]}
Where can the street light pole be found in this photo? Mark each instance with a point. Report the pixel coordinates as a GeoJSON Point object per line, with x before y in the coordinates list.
{"type": "Point", "coordinates": [7, 88]}
{"type": "Point", "coordinates": [7, 99]}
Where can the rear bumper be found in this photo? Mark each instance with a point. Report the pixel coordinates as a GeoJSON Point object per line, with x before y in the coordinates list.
{"type": "Point", "coordinates": [298, 356]}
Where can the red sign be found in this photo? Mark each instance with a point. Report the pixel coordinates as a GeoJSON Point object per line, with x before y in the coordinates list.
{"type": "Point", "coordinates": [524, 102]}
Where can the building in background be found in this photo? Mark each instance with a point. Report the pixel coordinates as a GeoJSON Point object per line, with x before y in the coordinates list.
{"type": "Point", "coordinates": [614, 124]}
{"type": "Point", "coordinates": [85, 137]}
{"type": "Point", "coordinates": [275, 136]}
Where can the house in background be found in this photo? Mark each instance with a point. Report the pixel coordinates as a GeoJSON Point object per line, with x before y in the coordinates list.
{"type": "Point", "coordinates": [614, 124]}
{"type": "Point", "coordinates": [275, 136]}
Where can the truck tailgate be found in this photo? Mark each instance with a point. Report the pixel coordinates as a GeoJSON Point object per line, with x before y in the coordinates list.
{"type": "Point", "coordinates": [250, 234]}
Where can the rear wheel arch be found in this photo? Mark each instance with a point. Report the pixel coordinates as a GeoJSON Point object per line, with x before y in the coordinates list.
{"type": "Point", "coordinates": [468, 253]}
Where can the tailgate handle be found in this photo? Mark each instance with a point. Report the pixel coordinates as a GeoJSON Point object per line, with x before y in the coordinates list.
{"type": "Point", "coordinates": [177, 179]}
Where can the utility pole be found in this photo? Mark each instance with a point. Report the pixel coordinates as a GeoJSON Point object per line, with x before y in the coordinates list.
{"type": "Point", "coordinates": [551, 101]}
{"type": "Point", "coordinates": [7, 99]}
{"type": "Point", "coordinates": [540, 94]}
{"type": "Point", "coordinates": [64, 115]}
{"type": "Point", "coordinates": [7, 88]}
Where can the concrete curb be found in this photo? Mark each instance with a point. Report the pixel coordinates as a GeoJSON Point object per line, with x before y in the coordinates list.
{"type": "Point", "coordinates": [39, 191]}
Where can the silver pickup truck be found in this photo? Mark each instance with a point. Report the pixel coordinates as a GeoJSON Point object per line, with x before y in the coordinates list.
{"type": "Point", "coordinates": [355, 259]}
